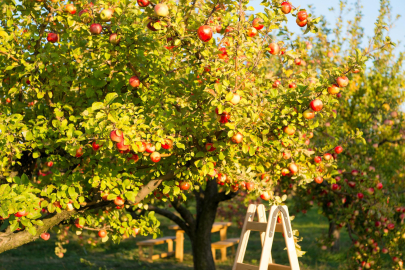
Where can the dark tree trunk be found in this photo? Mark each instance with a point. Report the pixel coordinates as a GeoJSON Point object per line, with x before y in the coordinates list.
{"type": "Point", "coordinates": [207, 205]}
{"type": "Point", "coordinates": [334, 234]}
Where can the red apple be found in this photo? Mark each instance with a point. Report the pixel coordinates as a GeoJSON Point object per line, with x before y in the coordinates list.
{"type": "Point", "coordinates": [276, 84]}
{"type": "Point", "coordinates": [293, 168]}
{"type": "Point", "coordinates": [379, 185]}
{"type": "Point", "coordinates": [287, 155]}
{"type": "Point", "coordinates": [168, 144]}
{"type": "Point", "coordinates": [70, 8]}
{"type": "Point", "coordinates": [265, 196]}
{"type": "Point", "coordinates": [161, 10]}
{"type": "Point", "coordinates": [96, 28]}
{"type": "Point", "coordinates": [45, 236]}
{"type": "Point", "coordinates": [143, 3]}
{"type": "Point", "coordinates": [338, 149]}
{"type": "Point", "coordinates": [21, 213]}
{"type": "Point", "coordinates": [184, 185]}
{"type": "Point", "coordinates": [318, 179]}
{"type": "Point", "coordinates": [237, 138]}
{"type": "Point", "coordinates": [308, 114]}
{"type": "Point", "coordinates": [250, 186]}
{"type": "Point", "coordinates": [95, 146]}
{"type": "Point", "coordinates": [317, 159]}
{"type": "Point", "coordinates": [150, 148]}
{"type": "Point", "coordinates": [302, 15]}
{"type": "Point", "coordinates": [286, 7]}
{"type": "Point", "coordinates": [79, 152]}
{"type": "Point", "coordinates": [285, 172]}
{"type": "Point", "coordinates": [134, 157]}
{"type": "Point", "coordinates": [52, 37]}
{"type": "Point", "coordinates": [274, 48]}
{"type": "Point", "coordinates": [114, 39]}
{"type": "Point", "coordinates": [292, 85]}
{"type": "Point", "coordinates": [8, 100]}
{"type": "Point", "coordinates": [252, 32]}
{"type": "Point", "coordinates": [122, 147]}
{"type": "Point", "coordinates": [225, 118]}
{"type": "Point", "coordinates": [257, 23]}
{"type": "Point", "coordinates": [342, 81]}
{"type": "Point", "coordinates": [391, 226]}
{"type": "Point", "coordinates": [316, 105]}
{"type": "Point", "coordinates": [134, 81]}
{"type": "Point", "coordinates": [204, 33]}
{"type": "Point", "coordinates": [289, 130]}
{"type": "Point", "coordinates": [333, 89]}
{"type": "Point", "coordinates": [106, 14]}
{"type": "Point", "coordinates": [155, 157]}
{"type": "Point", "coordinates": [327, 156]}
{"type": "Point", "coordinates": [117, 135]}
{"type": "Point", "coordinates": [297, 61]}
{"type": "Point", "coordinates": [102, 233]}
{"type": "Point", "coordinates": [301, 23]}
{"type": "Point", "coordinates": [360, 195]}
{"type": "Point", "coordinates": [49, 164]}
{"type": "Point", "coordinates": [119, 201]}
{"type": "Point", "coordinates": [210, 147]}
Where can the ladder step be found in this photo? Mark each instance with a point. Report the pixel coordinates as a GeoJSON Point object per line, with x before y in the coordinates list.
{"type": "Point", "coordinates": [243, 266]}
{"type": "Point", "coordinates": [273, 266]}
{"type": "Point", "coordinates": [261, 226]}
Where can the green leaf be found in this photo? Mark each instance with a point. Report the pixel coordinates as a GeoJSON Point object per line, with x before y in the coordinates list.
{"type": "Point", "coordinates": [36, 155]}
{"type": "Point", "coordinates": [110, 98]}
{"type": "Point", "coordinates": [130, 195]}
{"type": "Point", "coordinates": [97, 106]}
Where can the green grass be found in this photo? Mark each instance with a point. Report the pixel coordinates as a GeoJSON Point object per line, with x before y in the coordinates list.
{"type": "Point", "coordinates": [40, 254]}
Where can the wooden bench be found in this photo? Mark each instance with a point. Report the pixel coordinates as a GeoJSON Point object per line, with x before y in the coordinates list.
{"type": "Point", "coordinates": [222, 245]}
{"type": "Point", "coordinates": [153, 242]}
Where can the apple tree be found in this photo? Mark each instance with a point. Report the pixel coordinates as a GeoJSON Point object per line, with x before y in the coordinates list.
{"type": "Point", "coordinates": [109, 108]}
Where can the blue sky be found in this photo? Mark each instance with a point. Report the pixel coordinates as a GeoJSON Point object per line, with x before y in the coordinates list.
{"type": "Point", "coordinates": [370, 12]}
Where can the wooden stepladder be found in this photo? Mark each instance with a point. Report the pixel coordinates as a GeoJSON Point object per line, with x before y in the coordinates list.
{"type": "Point", "coordinates": [267, 230]}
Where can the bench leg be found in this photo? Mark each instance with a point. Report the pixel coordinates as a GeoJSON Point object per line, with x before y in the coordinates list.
{"type": "Point", "coordinates": [223, 254]}
{"type": "Point", "coordinates": [213, 253]}
{"type": "Point", "coordinates": [150, 252]}
{"type": "Point", "coordinates": [140, 252]}
{"type": "Point", "coordinates": [170, 246]}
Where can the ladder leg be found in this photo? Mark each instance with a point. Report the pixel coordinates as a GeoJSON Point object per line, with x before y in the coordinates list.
{"type": "Point", "coordinates": [240, 252]}
{"type": "Point", "coordinates": [289, 241]}
{"type": "Point", "coordinates": [269, 238]}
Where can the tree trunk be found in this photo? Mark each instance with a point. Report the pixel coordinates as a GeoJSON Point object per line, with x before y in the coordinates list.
{"type": "Point", "coordinates": [207, 205]}
{"type": "Point", "coordinates": [334, 234]}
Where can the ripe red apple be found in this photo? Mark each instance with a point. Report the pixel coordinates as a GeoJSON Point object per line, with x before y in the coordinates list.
{"type": "Point", "coordinates": [150, 25]}
{"type": "Point", "coordinates": [391, 226]}
{"type": "Point", "coordinates": [258, 23]}
{"type": "Point", "coordinates": [114, 39]}
{"type": "Point", "coordinates": [106, 14]}
{"type": "Point", "coordinates": [70, 8]}
{"type": "Point", "coordinates": [316, 105]}
{"type": "Point", "coordinates": [45, 236]}
{"type": "Point", "coordinates": [302, 15]}
{"type": "Point", "coordinates": [204, 33]}
{"type": "Point", "coordinates": [121, 146]}
{"type": "Point", "coordinates": [86, 15]}
{"type": "Point", "coordinates": [237, 138]}
{"type": "Point", "coordinates": [134, 157]}
{"type": "Point", "coordinates": [293, 168]}
{"type": "Point", "coordinates": [265, 177]}
{"type": "Point", "coordinates": [342, 81]}
{"type": "Point", "coordinates": [168, 144]}
{"type": "Point", "coordinates": [235, 99]}
{"type": "Point", "coordinates": [327, 156]}
{"type": "Point", "coordinates": [136, 231]}
{"type": "Point", "coordinates": [318, 179]}
{"type": "Point", "coordinates": [8, 100]}
{"type": "Point", "coordinates": [338, 149]}
{"type": "Point", "coordinates": [289, 130]}
{"type": "Point", "coordinates": [225, 118]}
{"type": "Point", "coordinates": [292, 85]}
{"type": "Point", "coordinates": [297, 61]}
{"type": "Point", "coordinates": [222, 177]}
{"type": "Point", "coordinates": [276, 84]}
{"type": "Point", "coordinates": [308, 114]}
{"type": "Point", "coordinates": [119, 201]}
{"type": "Point", "coordinates": [218, 28]}
{"type": "Point", "coordinates": [351, 184]}
{"type": "Point", "coordinates": [379, 185]}
{"type": "Point", "coordinates": [21, 213]}
{"type": "Point", "coordinates": [210, 147]}
{"type": "Point", "coordinates": [102, 233]}
{"type": "Point", "coordinates": [250, 186]}
{"type": "Point", "coordinates": [285, 172]}
{"type": "Point", "coordinates": [265, 196]}
{"type": "Point", "coordinates": [96, 28]}
{"type": "Point", "coordinates": [287, 155]}
{"type": "Point", "coordinates": [150, 148]}
{"type": "Point", "coordinates": [274, 48]}
{"type": "Point", "coordinates": [52, 37]}
{"type": "Point", "coordinates": [252, 32]}
{"type": "Point", "coordinates": [49, 163]}
{"type": "Point", "coordinates": [360, 195]}
{"type": "Point", "coordinates": [384, 250]}
{"type": "Point", "coordinates": [184, 185]}
{"type": "Point", "coordinates": [134, 81]}
{"type": "Point", "coordinates": [155, 157]}
{"type": "Point", "coordinates": [333, 89]}
{"type": "Point", "coordinates": [286, 7]}
{"type": "Point", "coordinates": [317, 159]}
{"type": "Point", "coordinates": [95, 146]}
{"type": "Point", "coordinates": [79, 152]}
{"type": "Point", "coordinates": [301, 23]}
{"type": "Point", "coordinates": [335, 186]}
{"type": "Point", "coordinates": [161, 10]}
{"type": "Point", "coordinates": [117, 135]}
{"type": "Point", "coordinates": [143, 3]}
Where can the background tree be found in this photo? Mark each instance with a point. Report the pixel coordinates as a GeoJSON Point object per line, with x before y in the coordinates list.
{"type": "Point", "coordinates": [121, 104]}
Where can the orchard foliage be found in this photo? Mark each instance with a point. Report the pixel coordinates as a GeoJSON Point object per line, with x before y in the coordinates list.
{"type": "Point", "coordinates": [113, 105]}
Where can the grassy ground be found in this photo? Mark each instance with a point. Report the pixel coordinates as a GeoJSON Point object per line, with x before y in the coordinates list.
{"type": "Point", "coordinates": [40, 254]}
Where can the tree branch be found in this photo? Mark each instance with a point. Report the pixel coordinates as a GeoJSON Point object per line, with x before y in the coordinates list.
{"type": "Point", "coordinates": [170, 215]}
{"type": "Point", "coordinates": [185, 214]}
